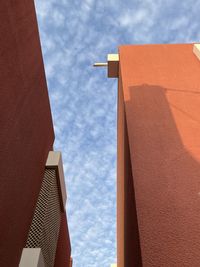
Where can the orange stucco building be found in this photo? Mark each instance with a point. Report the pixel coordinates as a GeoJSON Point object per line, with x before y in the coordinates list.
{"type": "Point", "coordinates": [158, 184]}
{"type": "Point", "coordinates": [33, 225]}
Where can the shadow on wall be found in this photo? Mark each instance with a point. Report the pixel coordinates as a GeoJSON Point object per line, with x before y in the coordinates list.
{"type": "Point", "coordinates": [166, 177]}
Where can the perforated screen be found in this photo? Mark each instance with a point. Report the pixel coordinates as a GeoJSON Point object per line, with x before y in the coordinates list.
{"type": "Point", "coordinates": [45, 226]}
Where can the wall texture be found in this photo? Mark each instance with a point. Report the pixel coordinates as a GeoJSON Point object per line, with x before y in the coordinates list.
{"type": "Point", "coordinates": [26, 134]}
{"type": "Point", "coordinates": [161, 93]}
{"type": "Point", "coordinates": [128, 245]}
{"type": "Point", "coordinates": [63, 251]}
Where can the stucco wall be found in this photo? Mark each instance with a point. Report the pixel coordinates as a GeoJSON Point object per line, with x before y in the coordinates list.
{"type": "Point", "coordinates": [161, 86]}
{"type": "Point", "coordinates": [26, 131]}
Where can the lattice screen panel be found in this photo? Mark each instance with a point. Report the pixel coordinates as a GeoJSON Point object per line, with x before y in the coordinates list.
{"type": "Point", "coordinates": [45, 226]}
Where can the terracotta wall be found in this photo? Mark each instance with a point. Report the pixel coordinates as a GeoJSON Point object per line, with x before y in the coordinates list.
{"type": "Point", "coordinates": [63, 251]}
{"type": "Point", "coordinates": [128, 246]}
{"type": "Point", "coordinates": [161, 87]}
{"type": "Point", "coordinates": [26, 131]}
{"type": "Point", "coordinates": [120, 176]}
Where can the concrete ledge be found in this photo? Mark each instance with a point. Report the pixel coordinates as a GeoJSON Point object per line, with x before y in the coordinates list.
{"type": "Point", "coordinates": [196, 50]}
{"type": "Point", "coordinates": [32, 257]}
{"type": "Point", "coordinates": [54, 161]}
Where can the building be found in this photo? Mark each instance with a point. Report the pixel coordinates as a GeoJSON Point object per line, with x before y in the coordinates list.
{"type": "Point", "coordinates": [33, 226]}
{"type": "Point", "coordinates": [158, 211]}
{"type": "Point", "coordinates": [158, 185]}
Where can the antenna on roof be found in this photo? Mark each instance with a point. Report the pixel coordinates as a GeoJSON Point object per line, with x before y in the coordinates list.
{"type": "Point", "coordinates": [99, 64]}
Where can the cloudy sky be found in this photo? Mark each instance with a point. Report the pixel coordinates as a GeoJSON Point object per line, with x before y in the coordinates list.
{"type": "Point", "coordinates": [75, 34]}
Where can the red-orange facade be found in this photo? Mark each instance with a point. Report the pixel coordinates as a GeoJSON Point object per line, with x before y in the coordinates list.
{"type": "Point", "coordinates": [26, 132]}
{"type": "Point", "coordinates": [158, 156]}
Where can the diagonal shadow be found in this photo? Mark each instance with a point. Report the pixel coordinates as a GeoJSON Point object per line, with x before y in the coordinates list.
{"type": "Point", "coordinates": [166, 182]}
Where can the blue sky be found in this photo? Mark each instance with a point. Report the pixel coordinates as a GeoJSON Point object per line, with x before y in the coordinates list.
{"type": "Point", "coordinates": [75, 34]}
